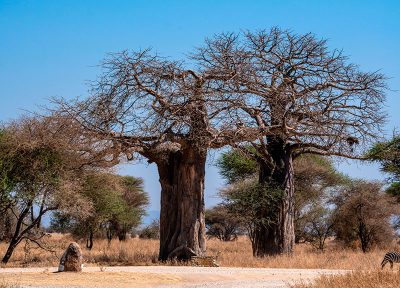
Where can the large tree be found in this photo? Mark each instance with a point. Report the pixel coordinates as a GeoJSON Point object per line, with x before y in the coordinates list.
{"type": "Point", "coordinates": [41, 161]}
{"type": "Point", "coordinates": [305, 97]}
{"type": "Point", "coordinates": [169, 113]}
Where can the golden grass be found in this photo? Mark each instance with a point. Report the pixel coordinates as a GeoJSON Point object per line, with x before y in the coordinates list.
{"type": "Point", "coordinates": [234, 254]}
{"type": "Point", "coordinates": [357, 279]}
{"type": "Point", "coordinates": [5, 284]}
{"type": "Point", "coordinates": [239, 254]}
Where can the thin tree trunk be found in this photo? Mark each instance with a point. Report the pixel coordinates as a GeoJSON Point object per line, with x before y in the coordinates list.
{"type": "Point", "coordinates": [182, 224]}
{"type": "Point", "coordinates": [89, 240]}
{"type": "Point", "coordinates": [16, 236]}
{"type": "Point", "coordinates": [109, 234]}
{"type": "Point", "coordinates": [122, 231]}
{"type": "Point", "coordinates": [10, 250]}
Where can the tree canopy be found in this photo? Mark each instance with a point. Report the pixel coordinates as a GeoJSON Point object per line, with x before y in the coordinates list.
{"type": "Point", "coordinates": [363, 213]}
{"type": "Point", "coordinates": [304, 97]}
{"type": "Point", "coordinates": [388, 155]}
{"type": "Point", "coordinates": [42, 159]}
{"type": "Point", "coordinates": [283, 93]}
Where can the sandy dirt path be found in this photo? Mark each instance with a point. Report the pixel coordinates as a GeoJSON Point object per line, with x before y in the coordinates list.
{"type": "Point", "coordinates": [160, 276]}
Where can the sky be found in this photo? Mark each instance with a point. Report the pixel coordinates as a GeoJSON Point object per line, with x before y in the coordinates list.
{"type": "Point", "coordinates": [53, 48]}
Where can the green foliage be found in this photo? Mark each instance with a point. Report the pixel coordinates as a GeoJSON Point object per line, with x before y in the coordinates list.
{"type": "Point", "coordinates": [394, 189]}
{"type": "Point", "coordinates": [255, 204]}
{"type": "Point", "coordinates": [388, 155]}
{"type": "Point", "coordinates": [28, 171]}
{"type": "Point", "coordinates": [28, 168]}
{"type": "Point", "coordinates": [32, 172]}
{"type": "Point", "coordinates": [315, 176]}
{"type": "Point", "coordinates": [118, 204]}
{"type": "Point", "coordinates": [235, 166]}
{"type": "Point", "coordinates": [317, 225]}
{"type": "Point", "coordinates": [61, 223]}
{"type": "Point", "coordinates": [6, 180]}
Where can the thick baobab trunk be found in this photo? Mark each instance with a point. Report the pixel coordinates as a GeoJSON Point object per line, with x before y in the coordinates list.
{"type": "Point", "coordinates": [182, 224]}
{"type": "Point", "coordinates": [264, 241]}
{"type": "Point", "coordinates": [278, 236]}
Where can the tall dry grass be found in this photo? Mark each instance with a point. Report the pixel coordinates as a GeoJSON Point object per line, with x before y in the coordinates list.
{"type": "Point", "coordinates": [357, 279]}
{"type": "Point", "coordinates": [235, 254]}
{"type": "Point", "coordinates": [4, 284]}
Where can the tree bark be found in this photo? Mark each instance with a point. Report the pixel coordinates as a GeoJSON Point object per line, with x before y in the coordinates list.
{"type": "Point", "coordinates": [182, 224]}
{"type": "Point", "coordinates": [16, 236]}
{"type": "Point", "coordinates": [89, 240]}
{"type": "Point", "coordinates": [277, 237]}
{"type": "Point", "coordinates": [10, 250]}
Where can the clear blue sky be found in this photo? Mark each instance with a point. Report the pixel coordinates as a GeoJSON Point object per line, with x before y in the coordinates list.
{"type": "Point", "coordinates": [51, 48]}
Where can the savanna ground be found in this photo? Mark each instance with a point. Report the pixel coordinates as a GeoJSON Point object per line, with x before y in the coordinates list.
{"type": "Point", "coordinates": [138, 252]}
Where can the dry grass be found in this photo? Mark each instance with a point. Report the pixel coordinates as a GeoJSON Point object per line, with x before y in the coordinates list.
{"type": "Point", "coordinates": [239, 254]}
{"type": "Point", "coordinates": [357, 279]}
{"type": "Point", "coordinates": [4, 284]}
{"type": "Point", "coordinates": [235, 254]}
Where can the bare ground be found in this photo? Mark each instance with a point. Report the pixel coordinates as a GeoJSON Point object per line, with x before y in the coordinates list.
{"type": "Point", "coordinates": [160, 276]}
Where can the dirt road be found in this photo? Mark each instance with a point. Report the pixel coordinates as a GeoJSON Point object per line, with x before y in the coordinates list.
{"type": "Point", "coordinates": [160, 276]}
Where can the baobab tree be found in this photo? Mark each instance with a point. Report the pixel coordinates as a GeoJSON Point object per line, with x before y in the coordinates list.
{"type": "Point", "coordinates": [171, 115]}
{"type": "Point", "coordinates": [304, 97]}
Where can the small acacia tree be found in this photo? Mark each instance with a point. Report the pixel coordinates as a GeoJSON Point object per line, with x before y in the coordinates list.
{"type": "Point", "coordinates": [151, 231]}
{"type": "Point", "coordinates": [363, 213]}
{"type": "Point", "coordinates": [134, 202]}
{"type": "Point", "coordinates": [223, 225]}
{"type": "Point", "coordinates": [244, 198]}
{"type": "Point", "coordinates": [304, 97]}
{"type": "Point", "coordinates": [118, 206]}
{"type": "Point", "coordinates": [318, 225]}
{"type": "Point", "coordinates": [315, 176]}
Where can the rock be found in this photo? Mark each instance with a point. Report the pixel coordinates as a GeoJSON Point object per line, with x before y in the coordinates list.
{"type": "Point", "coordinates": [71, 259]}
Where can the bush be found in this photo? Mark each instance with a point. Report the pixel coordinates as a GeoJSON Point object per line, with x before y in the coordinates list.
{"type": "Point", "coordinates": [222, 224]}
{"type": "Point", "coordinates": [363, 213]}
{"type": "Point", "coordinates": [151, 231]}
